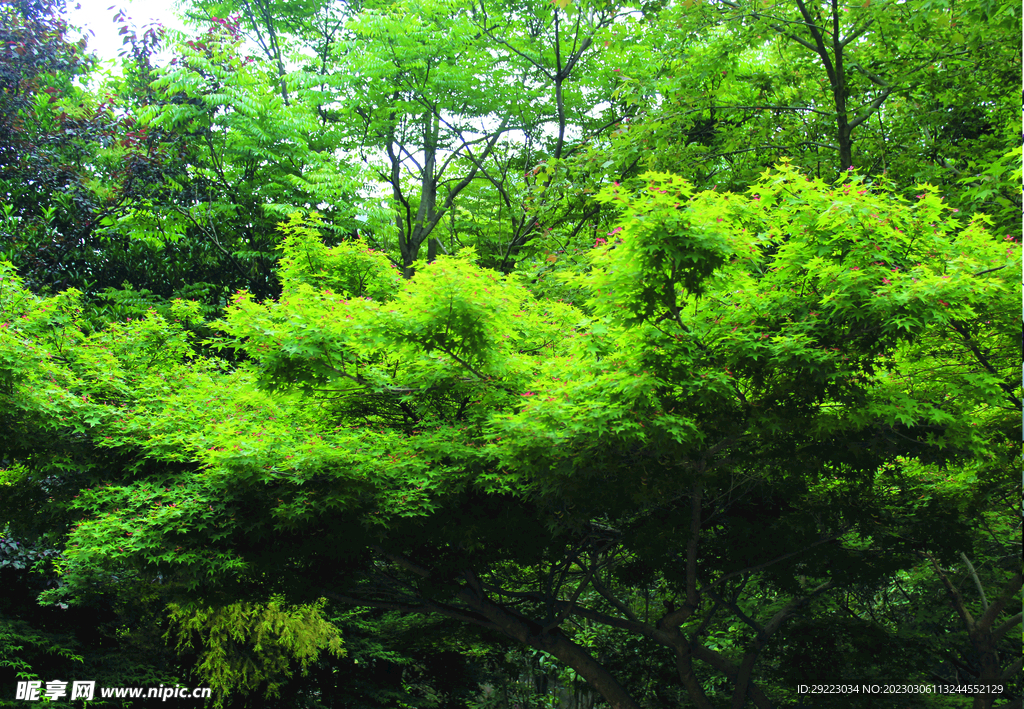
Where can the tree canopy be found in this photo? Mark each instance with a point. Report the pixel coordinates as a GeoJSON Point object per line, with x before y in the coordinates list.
{"type": "Point", "coordinates": [705, 388]}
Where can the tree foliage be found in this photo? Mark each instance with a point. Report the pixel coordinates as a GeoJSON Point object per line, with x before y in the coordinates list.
{"type": "Point", "coordinates": [704, 388]}
{"type": "Point", "coordinates": [719, 419]}
{"type": "Point", "coordinates": [248, 646]}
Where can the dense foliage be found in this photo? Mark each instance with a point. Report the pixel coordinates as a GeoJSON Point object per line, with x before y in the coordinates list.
{"type": "Point", "coordinates": [455, 354]}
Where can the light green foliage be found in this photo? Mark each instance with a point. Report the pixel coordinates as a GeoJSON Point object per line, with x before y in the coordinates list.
{"type": "Point", "coordinates": [57, 375]}
{"type": "Point", "coordinates": [769, 438]}
{"type": "Point", "coordinates": [793, 305]}
{"type": "Point", "coordinates": [418, 85]}
{"type": "Point", "coordinates": [261, 149]}
{"type": "Point", "coordinates": [988, 190]}
{"type": "Point", "coordinates": [453, 344]}
{"type": "Point", "coordinates": [434, 372]}
{"type": "Point", "coordinates": [349, 269]}
{"type": "Point", "coordinates": [454, 104]}
{"type": "Point", "coordinates": [245, 646]}
{"type": "Point", "coordinates": [454, 326]}
{"type": "Point", "coordinates": [920, 90]}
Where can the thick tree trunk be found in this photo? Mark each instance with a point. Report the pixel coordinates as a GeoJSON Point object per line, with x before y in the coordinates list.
{"type": "Point", "coordinates": [983, 632]}
{"type": "Point", "coordinates": [556, 644]}
{"type": "Point", "coordinates": [578, 658]}
{"type": "Point", "coordinates": [985, 637]}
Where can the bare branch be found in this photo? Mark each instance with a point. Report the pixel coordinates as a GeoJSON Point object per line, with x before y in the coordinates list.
{"type": "Point", "coordinates": [870, 110]}
{"type": "Point", "coordinates": [954, 595]}
{"type": "Point", "coordinates": [1010, 590]}
{"type": "Point", "coordinates": [1003, 629]}
{"type": "Point", "coordinates": [977, 581]}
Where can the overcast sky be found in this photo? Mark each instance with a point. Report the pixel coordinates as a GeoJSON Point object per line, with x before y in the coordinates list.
{"type": "Point", "coordinates": [95, 15]}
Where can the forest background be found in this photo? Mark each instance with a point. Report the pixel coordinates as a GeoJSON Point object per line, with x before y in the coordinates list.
{"type": "Point", "coordinates": [514, 353]}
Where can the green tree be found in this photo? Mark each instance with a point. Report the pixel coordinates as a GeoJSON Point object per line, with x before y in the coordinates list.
{"type": "Point", "coordinates": [47, 210]}
{"type": "Point", "coordinates": [456, 108]}
{"type": "Point", "coordinates": [252, 159]}
{"type": "Point", "coordinates": [715, 431]}
{"type": "Point", "coordinates": [920, 91]}
{"type": "Point", "coordinates": [248, 646]}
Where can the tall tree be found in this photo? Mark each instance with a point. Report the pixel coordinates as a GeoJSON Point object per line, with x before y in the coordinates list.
{"type": "Point", "coordinates": [880, 86]}
{"type": "Point", "coordinates": [447, 101]}
{"type": "Point", "coordinates": [240, 158]}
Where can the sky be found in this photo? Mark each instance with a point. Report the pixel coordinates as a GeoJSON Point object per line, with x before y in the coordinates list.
{"type": "Point", "coordinates": [95, 15]}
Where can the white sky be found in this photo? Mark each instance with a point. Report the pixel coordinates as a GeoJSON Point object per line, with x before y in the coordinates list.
{"type": "Point", "coordinates": [94, 15]}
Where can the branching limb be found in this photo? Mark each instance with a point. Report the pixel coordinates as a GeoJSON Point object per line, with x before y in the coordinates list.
{"type": "Point", "coordinates": [977, 581]}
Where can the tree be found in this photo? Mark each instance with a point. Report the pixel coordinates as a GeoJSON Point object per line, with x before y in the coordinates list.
{"type": "Point", "coordinates": [559, 44]}
{"type": "Point", "coordinates": [715, 431]}
{"type": "Point", "coordinates": [47, 209]}
{"type": "Point", "coordinates": [420, 106]}
{"type": "Point", "coordinates": [450, 106]}
{"type": "Point", "coordinates": [249, 159]}
{"type": "Point", "coordinates": [166, 182]}
{"type": "Point", "coordinates": [879, 86]}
